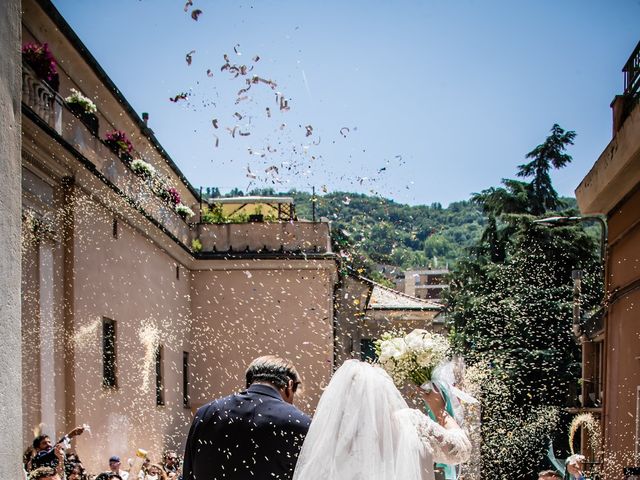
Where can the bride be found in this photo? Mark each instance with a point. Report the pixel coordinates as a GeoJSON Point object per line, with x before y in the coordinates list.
{"type": "Point", "coordinates": [364, 430]}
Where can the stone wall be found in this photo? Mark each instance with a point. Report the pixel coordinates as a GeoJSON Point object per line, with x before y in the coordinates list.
{"type": "Point", "coordinates": [10, 200]}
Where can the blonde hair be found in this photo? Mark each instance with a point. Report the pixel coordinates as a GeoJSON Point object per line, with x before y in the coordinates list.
{"type": "Point", "coordinates": [272, 369]}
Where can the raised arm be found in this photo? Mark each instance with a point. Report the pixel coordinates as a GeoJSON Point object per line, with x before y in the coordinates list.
{"type": "Point", "coordinates": [448, 442]}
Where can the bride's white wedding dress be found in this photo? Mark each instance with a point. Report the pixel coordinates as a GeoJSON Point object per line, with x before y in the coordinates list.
{"type": "Point", "coordinates": [364, 430]}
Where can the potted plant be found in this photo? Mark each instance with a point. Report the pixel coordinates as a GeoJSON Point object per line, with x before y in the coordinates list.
{"type": "Point", "coordinates": [184, 211]}
{"type": "Point", "coordinates": [39, 57]}
{"type": "Point", "coordinates": [142, 168]}
{"type": "Point", "coordinates": [83, 108]}
{"type": "Point", "coordinates": [171, 196]}
{"type": "Point", "coordinates": [119, 144]}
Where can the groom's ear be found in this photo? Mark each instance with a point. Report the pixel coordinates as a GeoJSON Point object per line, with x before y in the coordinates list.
{"type": "Point", "coordinates": [288, 392]}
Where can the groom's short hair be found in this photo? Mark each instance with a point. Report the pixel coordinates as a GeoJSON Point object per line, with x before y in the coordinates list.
{"type": "Point", "coordinates": [272, 369]}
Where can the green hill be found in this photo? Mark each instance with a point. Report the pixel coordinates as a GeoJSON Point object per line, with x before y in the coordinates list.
{"type": "Point", "coordinates": [384, 231]}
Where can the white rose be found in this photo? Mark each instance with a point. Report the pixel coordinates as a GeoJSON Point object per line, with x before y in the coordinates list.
{"type": "Point", "coordinates": [393, 348]}
{"type": "Point", "coordinates": [425, 359]}
{"type": "Point", "coordinates": [416, 340]}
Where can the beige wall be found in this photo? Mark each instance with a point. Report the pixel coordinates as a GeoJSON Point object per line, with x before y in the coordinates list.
{"type": "Point", "coordinates": [223, 312]}
{"type": "Point", "coordinates": [612, 188]}
{"type": "Point", "coordinates": [242, 310]}
{"type": "Point", "coordinates": [133, 282]}
{"type": "Point", "coordinates": [623, 336]}
{"type": "Point", "coordinates": [621, 385]}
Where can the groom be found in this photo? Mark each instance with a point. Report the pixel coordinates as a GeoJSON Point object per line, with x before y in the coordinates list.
{"type": "Point", "coordinates": [256, 434]}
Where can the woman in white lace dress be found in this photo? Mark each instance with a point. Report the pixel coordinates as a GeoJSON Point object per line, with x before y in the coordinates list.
{"type": "Point", "coordinates": [364, 430]}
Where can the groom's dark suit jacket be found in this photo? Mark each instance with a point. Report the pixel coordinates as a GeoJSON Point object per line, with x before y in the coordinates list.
{"type": "Point", "coordinates": [249, 435]}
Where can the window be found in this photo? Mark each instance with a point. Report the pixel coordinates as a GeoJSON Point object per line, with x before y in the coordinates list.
{"type": "Point", "coordinates": [367, 349]}
{"type": "Point", "coordinates": [637, 425]}
{"type": "Point", "coordinates": [115, 227]}
{"type": "Point", "coordinates": [593, 381]}
{"type": "Point", "coordinates": [177, 272]}
{"type": "Point", "coordinates": [109, 353]}
{"type": "Point", "coordinates": [186, 401]}
{"type": "Point", "coordinates": [159, 375]}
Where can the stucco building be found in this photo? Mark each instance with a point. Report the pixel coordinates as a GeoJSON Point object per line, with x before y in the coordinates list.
{"type": "Point", "coordinates": [134, 314]}
{"type": "Point", "coordinates": [611, 355]}
{"type": "Point", "coordinates": [365, 310]}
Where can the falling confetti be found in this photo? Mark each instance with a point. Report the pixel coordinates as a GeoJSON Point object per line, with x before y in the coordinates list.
{"type": "Point", "coordinates": [196, 14]}
{"type": "Point", "coordinates": [189, 57]}
{"type": "Point", "coordinates": [180, 96]}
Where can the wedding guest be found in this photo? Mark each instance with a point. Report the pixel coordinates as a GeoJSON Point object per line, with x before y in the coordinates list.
{"type": "Point", "coordinates": [27, 458]}
{"type": "Point", "coordinates": [77, 472]}
{"type": "Point", "coordinates": [45, 455]}
{"type": "Point", "coordinates": [549, 475]}
{"type": "Point", "coordinates": [171, 464]}
{"type": "Point", "coordinates": [575, 467]}
{"type": "Point", "coordinates": [44, 473]}
{"type": "Point", "coordinates": [48, 472]}
{"type": "Point", "coordinates": [114, 467]}
{"type": "Point", "coordinates": [108, 476]}
{"type": "Point", "coordinates": [155, 472]}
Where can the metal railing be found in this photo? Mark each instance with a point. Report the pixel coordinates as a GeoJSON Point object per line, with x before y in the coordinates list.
{"type": "Point", "coordinates": [631, 71]}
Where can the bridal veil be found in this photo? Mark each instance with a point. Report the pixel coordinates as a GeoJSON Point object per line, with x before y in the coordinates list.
{"type": "Point", "coordinates": [361, 431]}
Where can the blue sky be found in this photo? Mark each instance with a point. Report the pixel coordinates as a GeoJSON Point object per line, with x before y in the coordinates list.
{"type": "Point", "coordinates": [441, 98]}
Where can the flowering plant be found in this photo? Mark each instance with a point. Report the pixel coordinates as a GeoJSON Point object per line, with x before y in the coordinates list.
{"type": "Point", "coordinates": [184, 211]}
{"type": "Point", "coordinates": [40, 58]}
{"type": "Point", "coordinates": [85, 103]}
{"type": "Point", "coordinates": [119, 144]}
{"type": "Point", "coordinates": [412, 357]}
{"type": "Point", "coordinates": [142, 168]}
{"type": "Point", "coordinates": [172, 196]}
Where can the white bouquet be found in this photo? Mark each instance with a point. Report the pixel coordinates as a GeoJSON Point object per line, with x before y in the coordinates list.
{"type": "Point", "coordinates": [412, 357]}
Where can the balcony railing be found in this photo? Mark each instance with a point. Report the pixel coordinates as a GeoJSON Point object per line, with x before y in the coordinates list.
{"type": "Point", "coordinates": [41, 98]}
{"type": "Point", "coordinates": [631, 72]}
{"type": "Point", "coordinates": [276, 237]}
{"type": "Point", "coordinates": [51, 109]}
{"type": "Point", "coordinates": [624, 104]}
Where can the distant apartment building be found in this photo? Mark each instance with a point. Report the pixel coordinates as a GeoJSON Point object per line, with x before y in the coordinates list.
{"type": "Point", "coordinates": [611, 346]}
{"type": "Point", "coordinates": [133, 312]}
{"type": "Point", "coordinates": [426, 284]}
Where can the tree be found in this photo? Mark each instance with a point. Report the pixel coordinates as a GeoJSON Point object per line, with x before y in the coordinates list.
{"type": "Point", "coordinates": [549, 154]}
{"type": "Point", "coordinates": [235, 192]}
{"type": "Point", "coordinates": [510, 308]}
{"type": "Point", "coordinates": [516, 316]}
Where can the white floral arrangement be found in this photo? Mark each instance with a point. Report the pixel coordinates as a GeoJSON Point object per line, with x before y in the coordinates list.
{"type": "Point", "coordinates": [141, 167]}
{"type": "Point", "coordinates": [184, 211]}
{"type": "Point", "coordinates": [412, 357]}
{"type": "Point", "coordinates": [78, 98]}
